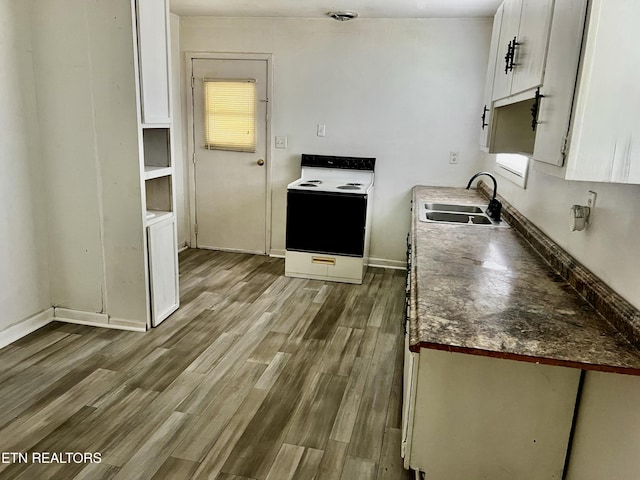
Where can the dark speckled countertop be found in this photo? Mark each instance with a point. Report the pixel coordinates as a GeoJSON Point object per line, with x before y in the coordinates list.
{"type": "Point", "coordinates": [485, 291]}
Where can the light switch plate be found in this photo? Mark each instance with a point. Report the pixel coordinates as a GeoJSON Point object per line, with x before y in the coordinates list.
{"type": "Point", "coordinates": [322, 129]}
{"type": "Point", "coordinates": [281, 142]}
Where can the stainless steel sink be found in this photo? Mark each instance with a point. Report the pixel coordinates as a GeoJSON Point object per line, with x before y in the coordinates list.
{"type": "Point", "coordinates": [446, 207]}
{"type": "Point", "coordinates": [457, 215]}
{"type": "Point", "coordinates": [474, 219]}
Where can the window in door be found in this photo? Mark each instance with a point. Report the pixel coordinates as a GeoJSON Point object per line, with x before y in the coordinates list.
{"type": "Point", "coordinates": [230, 115]}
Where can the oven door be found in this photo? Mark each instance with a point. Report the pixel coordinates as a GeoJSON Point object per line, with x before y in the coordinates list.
{"type": "Point", "coordinates": [324, 222]}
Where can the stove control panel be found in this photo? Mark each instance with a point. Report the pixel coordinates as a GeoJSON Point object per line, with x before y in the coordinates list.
{"type": "Point", "coordinates": [331, 161]}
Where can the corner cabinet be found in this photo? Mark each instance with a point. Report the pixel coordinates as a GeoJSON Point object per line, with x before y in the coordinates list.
{"type": "Point", "coordinates": [157, 170]}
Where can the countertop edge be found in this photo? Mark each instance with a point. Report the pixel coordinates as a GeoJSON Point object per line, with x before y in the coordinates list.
{"type": "Point", "coordinates": [524, 358]}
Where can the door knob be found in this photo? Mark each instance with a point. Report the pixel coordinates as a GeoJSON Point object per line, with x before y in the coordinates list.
{"type": "Point", "coordinates": [260, 162]}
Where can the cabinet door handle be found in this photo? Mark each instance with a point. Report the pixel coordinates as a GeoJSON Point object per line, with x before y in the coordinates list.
{"type": "Point", "coordinates": [507, 59]}
{"type": "Point", "coordinates": [535, 109]}
{"type": "Point", "coordinates": [512, 54]}
{"type": "Point", "coordinates": [484, 117]}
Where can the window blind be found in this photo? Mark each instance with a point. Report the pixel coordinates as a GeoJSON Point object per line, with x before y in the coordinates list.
{"type": "Point", "coordinates": [230, 115]}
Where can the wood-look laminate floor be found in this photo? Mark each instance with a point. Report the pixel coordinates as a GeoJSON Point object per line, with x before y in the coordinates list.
{"type": "Point", "coordinates": [256, 376]}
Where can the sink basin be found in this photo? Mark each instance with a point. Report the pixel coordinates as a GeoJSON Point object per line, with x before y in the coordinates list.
{"type": "Point", "coordinates": [457, 214]}
{"type": "Point", "coordinates": [458, 218]}
{"type": "Point", "coordinates": [446, 207]}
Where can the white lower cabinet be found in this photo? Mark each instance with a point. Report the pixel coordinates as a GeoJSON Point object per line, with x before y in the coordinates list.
{"type": "Point", "coordinates": [163, 269]}
{"type": "Point", "coordinates": [487, 418]}
{"type": "Point", "coordinates": [408, 400]}
{"type": "Point", "coordinates": [607, 432]}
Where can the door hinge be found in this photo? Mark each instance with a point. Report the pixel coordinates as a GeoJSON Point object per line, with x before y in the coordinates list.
{"type": "Point", "coordinates": [193, 158]}
{"type": "Point", "coordinates": [196, 228]}
{"type": "Point", "coordinates": [193, 81]}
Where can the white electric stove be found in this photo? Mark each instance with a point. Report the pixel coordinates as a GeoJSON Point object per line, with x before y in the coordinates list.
{"type": "Point", "coordinates": [328, 218]}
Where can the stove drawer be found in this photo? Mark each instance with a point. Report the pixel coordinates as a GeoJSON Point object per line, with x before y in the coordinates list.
{"type": "Point", "coordinates": [324, 267]}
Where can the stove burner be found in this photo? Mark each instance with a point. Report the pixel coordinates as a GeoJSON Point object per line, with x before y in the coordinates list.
{"type": "Point", "coordinates": [348, 186]}
{"type": "Point", "coordinates": [306, 184]}
{"type": "Point", "coordinates": [315, 181]}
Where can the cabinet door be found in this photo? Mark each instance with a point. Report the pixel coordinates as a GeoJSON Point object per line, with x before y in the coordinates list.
{"type": "Point", "coordinates": [489, 418]}
{"type": "Point", "coordinates": [488, 84]}
{"type": "Point", "coordinates": [532, 39]}
{"type": "Point", "coordinates": [409, 386]}
{"type": "Point", "coordinates": [561, 71]}
{"type": "Point", "coordinates": [605, 139]}
{"type": "Point", "coordinates": [163, 269]}
{"type": "Point", "coordinates": [605, 444]}
{"type": "Point", "coordinates": [153, 54]}
{"type": "Point", "coordinates": [508, 31]}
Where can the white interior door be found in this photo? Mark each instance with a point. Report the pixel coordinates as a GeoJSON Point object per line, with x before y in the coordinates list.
{"type": "Point", "coordinates": [230, 178]}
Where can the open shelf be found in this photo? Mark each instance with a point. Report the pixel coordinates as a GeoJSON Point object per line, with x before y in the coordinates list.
{"type": "Point", "coordinates": [155, 216]}
{"type": "Point", "coordinates": [512, 130]}
{"type": "Point", "coordinates": [157, 147]}
{"type": "Point", "coordinates": [156, 172]}
{"type": "Point", "coordinates": [159, 193]}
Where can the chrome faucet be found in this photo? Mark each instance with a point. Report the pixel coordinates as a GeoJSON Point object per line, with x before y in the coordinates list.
{"type": "Point", "coordinates": [495, 207]}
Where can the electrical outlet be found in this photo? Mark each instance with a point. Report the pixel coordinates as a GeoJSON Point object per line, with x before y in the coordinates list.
{"type": "Point", "coordinates": [453, 157]}
{"type": "Point", "coordinates": [281, 142]}
{"type": "Point", "coordinates": [322, 129]}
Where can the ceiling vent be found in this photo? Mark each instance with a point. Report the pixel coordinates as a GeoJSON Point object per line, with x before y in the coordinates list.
{"type": "Point", "coordinates": [343, 15]}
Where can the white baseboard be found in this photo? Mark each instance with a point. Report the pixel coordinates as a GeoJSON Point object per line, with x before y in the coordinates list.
{"type": "Point", "coordinates": [183, 248]}
{"type": "Point", "coordinates": [277, 253]}
{"type": "Point", "coordinates": [96, 320]}
{"type": "Point", "coordinates": [384, 263]}
{"type": "Point", "coordinates": [25, 327]}
{"type": "Point", "coordinates": [124, 324]}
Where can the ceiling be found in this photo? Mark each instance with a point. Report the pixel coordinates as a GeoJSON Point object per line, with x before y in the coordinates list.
{"type": "Point", "coordinates": [319, 8]}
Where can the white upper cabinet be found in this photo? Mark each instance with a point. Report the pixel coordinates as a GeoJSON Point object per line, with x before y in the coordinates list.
{"type": "Point", "coordinates": [488, 85]}
{"type": "Point", "coordinates": [153, 54]}
{"type": "Point", "coordinates": [508, 30]}
{"type": "Point", "coordinates": [557, 90]}
{"type": "Point", "coordinates": [571, 103]}
{"type": "Point", "coordinates": [605, 136]}
{"type": "Point", "coordinates": [532, 41]}
{"type": "Point", "coordinates": [522, 46]}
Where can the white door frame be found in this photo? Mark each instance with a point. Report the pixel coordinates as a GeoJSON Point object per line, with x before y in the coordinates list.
{"type": "Point", "coordinates": [189, 56]}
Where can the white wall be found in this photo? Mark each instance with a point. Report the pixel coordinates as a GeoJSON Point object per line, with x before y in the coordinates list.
{"type": "Point", "coordinates": [609, 247]}
{"type": "Point", "coordinates": [85, 83]}
{"type": "Point", "coordinates": [406, 91]}
{"type": "Point", "coordinates": [181, 179]}
{"type": "Point", "coordinates": [24, 273]}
